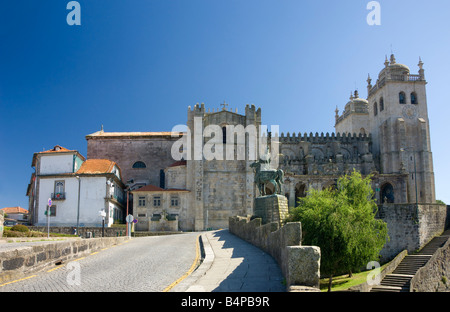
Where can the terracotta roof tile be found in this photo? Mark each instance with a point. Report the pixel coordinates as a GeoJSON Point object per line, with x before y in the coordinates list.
{"type": "Point", "coordinates": [178, 163]}
{"type": "Point", "coordinates": [12, 210]}
{"type": "Point", "coordinates": [57, 149]}
{"type": "Point", "coordinates": [97, 166]}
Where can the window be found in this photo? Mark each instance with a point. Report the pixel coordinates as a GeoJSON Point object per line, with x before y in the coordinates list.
{"type": "Point", "coordinates": [141, 201]}
{"type": "Point", "coordinates": [162, 179]}
{"type": "Point", "coordinates": [174, 201]}
{"type": "Point", "coordinates": [157, 201]}
{"type": "Point", "coordinates": [414, 98]}
{"type": "Point", "coordinates": [52, 211]}
{"type": "Point", "coordinates": [139, 165]}
{"type": "Point", "coordinates": [381, 104]}
{"type": "Point", "coordinates": [224, 135]}
{"type": "Point", "coordinates": [375, 109]}
{"type": "Point", "coordinates": [402, 98]}
{"type": "Point", "coordinates": [59, 190]}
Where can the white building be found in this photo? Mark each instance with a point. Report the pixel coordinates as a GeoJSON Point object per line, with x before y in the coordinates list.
{"type": "Point", "coordinates": [78, 188]}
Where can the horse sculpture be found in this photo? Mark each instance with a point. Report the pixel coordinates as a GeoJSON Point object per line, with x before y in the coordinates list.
{"type": "Point", "coordinates": [273, 176]}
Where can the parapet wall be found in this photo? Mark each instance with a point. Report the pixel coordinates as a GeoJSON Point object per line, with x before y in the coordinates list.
{"type": "Point", "coordinates": [300, 264]}
{"type": "Point", "coordinates": [18, 262]}
{"type": "Point", "coordinates": [435, 275]}
{"type": "Point", "coordinates": [333, 137]}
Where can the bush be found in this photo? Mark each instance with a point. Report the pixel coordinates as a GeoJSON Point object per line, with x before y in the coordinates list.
{"type": "Point", "coordinates": [20, 228]}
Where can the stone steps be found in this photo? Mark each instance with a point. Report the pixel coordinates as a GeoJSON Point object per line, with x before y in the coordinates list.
{"type": "Point", "coordinates": [400, 279]}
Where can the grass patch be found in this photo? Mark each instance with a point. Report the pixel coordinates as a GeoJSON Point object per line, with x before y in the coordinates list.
{"type": "Point", "coordinates": [9, 232]}
{"type": "Point", "coordinates": [343, 282]}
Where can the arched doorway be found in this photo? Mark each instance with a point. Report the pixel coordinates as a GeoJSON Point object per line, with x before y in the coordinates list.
{"type": "Point", "coordinates": [387, 193]}
{"type": "Point", "coordinates": [300, 192]}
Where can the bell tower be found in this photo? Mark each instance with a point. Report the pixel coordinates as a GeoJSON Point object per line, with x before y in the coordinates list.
{"type": "Point", "coordinates": [398, 118]}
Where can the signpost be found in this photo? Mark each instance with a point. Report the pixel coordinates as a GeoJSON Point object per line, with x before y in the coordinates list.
{"type": "Point", "coordinates": [48, 217]}
{"type": "Point", "coordinates": [129, 219]}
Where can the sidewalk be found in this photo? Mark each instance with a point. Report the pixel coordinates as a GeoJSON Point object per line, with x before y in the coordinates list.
{"type": "Point", "coordinates": [233, 265]}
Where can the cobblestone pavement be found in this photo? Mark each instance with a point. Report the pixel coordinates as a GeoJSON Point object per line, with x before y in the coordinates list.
{"type": "Point", "coordinates": [140, 264]}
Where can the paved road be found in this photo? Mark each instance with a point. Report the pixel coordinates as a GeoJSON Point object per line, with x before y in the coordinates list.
{"type": "Point", "coordinates": [141, 264]}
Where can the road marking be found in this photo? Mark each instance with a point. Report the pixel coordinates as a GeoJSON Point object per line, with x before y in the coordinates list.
{"type": "Point", "coordinates": [17, 280]}
{"type": "Point", "coordinates": [193, 266]}
{"type": "Point", "coordinates": [58, 267]}
{"type": "Point", "coordinates": [94, 253]}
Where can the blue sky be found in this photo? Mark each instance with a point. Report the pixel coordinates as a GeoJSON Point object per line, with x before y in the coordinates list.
{"type": "Point", "coordinates": [137, 65]}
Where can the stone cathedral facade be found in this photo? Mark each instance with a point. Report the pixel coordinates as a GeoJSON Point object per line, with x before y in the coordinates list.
{"type": "Point", "coordinates": [386, 135]}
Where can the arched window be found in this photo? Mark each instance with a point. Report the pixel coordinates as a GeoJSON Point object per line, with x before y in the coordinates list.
{"type": "Point", "coordinates": [381, 104]}
{"type": "Point", "coordinates": [414, 98]}
{"type": "Point", "coordinates": [375, 109]}
{"type": "Point", "coordinates": [300, 192]}
{"type": "Point", "coordinates": [139, 165]}
{"type": "Point", "coordinates": [402, 98]}
{"type": "Point", "coordinates": [162, 179]}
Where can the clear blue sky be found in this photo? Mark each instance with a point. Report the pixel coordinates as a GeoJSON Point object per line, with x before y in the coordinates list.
{"type": "Point", "coordinates": [137, 65]}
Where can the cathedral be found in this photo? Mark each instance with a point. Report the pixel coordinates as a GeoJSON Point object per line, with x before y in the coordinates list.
{"type": "Point", "coordinates": [386, 135]}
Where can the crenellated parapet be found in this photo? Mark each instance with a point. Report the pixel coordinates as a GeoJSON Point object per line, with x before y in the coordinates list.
{"type": "Point", "coordinates": [333, 137]}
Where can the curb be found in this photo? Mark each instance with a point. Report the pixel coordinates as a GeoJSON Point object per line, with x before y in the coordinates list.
{"type": "Point", "coordinates": [207, 255]}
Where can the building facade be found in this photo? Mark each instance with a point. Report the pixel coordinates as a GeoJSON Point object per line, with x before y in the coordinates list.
{"type": "Point", "coordinates": [78, 189]}
{"type": "Point", "coordinates": [385, 135]}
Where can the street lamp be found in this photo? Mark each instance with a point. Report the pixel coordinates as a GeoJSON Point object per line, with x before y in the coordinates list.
{"type": "Point", "coordinates": [78, 209]}
{"type": "Point", "coordinates": [102, 214]}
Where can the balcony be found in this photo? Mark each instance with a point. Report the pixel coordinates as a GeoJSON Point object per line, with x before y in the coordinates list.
{"type": "Point", "coordinates": [59, 196]}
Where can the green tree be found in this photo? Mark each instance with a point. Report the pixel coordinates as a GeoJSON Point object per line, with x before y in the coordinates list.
{"type": "Point", "coordinates": [342, 223]}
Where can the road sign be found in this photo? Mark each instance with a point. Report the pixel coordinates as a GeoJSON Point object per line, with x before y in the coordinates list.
{"type": "Point", "coordinates": [49, 202]}
{"type": "Point", "coordinates": [130, 218]}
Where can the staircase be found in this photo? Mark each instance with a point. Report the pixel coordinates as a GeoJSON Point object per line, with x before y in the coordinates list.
{"type": "Point", "coordinates": [399, 280]}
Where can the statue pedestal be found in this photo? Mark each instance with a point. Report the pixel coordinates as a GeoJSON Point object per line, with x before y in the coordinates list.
{"type": "Point", "coordinates": [271, 208]}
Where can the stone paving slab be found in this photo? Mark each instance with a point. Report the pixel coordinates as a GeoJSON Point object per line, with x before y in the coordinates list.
{"type": "Point", "coordinates": [233, 265]}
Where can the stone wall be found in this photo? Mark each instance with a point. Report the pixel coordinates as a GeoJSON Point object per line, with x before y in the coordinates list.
{"type": "Point", "coordinates": [83, 231]}
{"type": "Point", "coordinates": [411, 227]}
{"type": "Point", "coordinates": [435, 275]}
{"type": "Point", "coordinates": [153, 149]}
{"type": "Point", "coordinates": [300, 264]}
{"type": "Point", "coordinates": [18, 262]}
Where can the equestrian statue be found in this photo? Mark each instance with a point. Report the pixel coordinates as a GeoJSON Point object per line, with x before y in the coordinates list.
{"type": "Point", "coordinates": [263, 177]}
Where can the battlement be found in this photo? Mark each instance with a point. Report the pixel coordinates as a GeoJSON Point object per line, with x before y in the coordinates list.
{"type": "Point", "coordinates": [333, 137]}
{"type": "Point", "coordinates": [199, 109]}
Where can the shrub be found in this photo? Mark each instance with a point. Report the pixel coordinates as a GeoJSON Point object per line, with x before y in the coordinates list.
{"type": "Point", "coordinates": [20, 228]}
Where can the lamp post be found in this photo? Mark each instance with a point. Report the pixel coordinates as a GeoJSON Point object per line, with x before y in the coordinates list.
{"type": "Point", "coordinates": [78, 209]}
{"type": "Point", "coordinates": [102, 214]}
{"type": "Point", "coordinates": [128, 186]}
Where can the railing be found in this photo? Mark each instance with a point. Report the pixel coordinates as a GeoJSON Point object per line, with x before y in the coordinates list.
{"type": "Point", "coordinates": [407, 77]}
{"type": "Point", "coordinates": [59, 196]}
